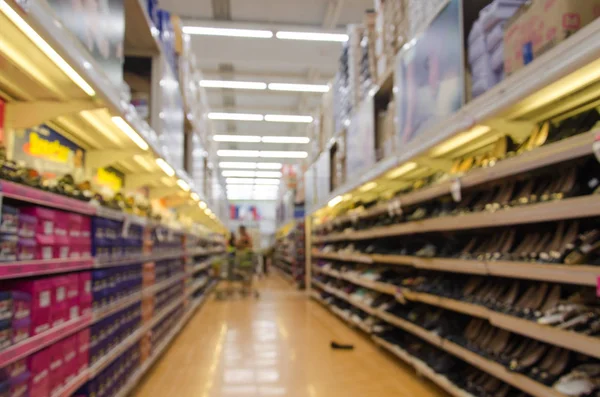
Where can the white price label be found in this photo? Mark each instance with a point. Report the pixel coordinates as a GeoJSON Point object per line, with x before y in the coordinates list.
{"type": "Point", "coordinates": [125, 230]}
{"type": "Point", "coordinates": [596, 147]}
{"type": "Point", "coordinates": [456, 190]}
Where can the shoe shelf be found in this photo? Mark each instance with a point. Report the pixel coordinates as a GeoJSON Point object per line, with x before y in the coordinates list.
{"type": "Point", "coordinates": [573, 208]}
{"type": "Point", "coordinates": [345, 297]}
{"type": "Point", "coordinates": [164, 345]}
{"type": "Point", "coordinates": [38, 342]}
{"type": "Point", "coordinates": [519, 381]}
{"type": "Point", "coordinates": [569, 274]}
{"type": "Point", "coordinates": [554, 153]}
{"type": "Point", "coordinates": [422, 368]}
{"type": "Point", "coordinates": [570, 340]}
{"type": "Point", "coordinates": [21, 269]}
{"type": "Point", "coordinates": [342, 315]}
{"type": "Point", "coordinates": [196, 286]}
{"type": "Point", "coordinates": [346, 257]}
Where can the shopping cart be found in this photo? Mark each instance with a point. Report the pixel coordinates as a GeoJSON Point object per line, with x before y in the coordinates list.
{"type": "Point", "coordinates": [237, 274]}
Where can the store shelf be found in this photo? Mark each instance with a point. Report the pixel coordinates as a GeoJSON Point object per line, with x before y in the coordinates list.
{"type": "Point", "coordinates": [400, 260]}
{"type": "Point", "coordinates": [134, 260]}
{"type": "Point", "coordinates": [423, 369]}
{"type": "Point", "coordinates": [576, 274]}
{"type": "Point", "coordinates": [132, 339]}
{"type": "Point", "coordinates": [71, 387]}
{"type": "Point", "coordinates": [451, 265]}
{"type": "Point", "coordinates": [200, 267]}
{"type": "Point", "coordinates": [573, 208]}
{"type": "Point", "coordinates": [338, 312]}
{"type": "Point", "coordinates": [363, 282]}
{"type": "Point", "coordinates": [156, 288]}
{"type": "Point", "coordinates": [137, 376]}
{"type": "Point", "coordinates": [344, 257]}
{"type": "Point", "coordinates": [141, 36]}
{"type": "Point", "coordinates": [345, 297]}
{"type": "Point", "coordinates": [566, 149]}
{"type": "Point", "coordinates": [115, 307]}
{"type": "Point", "coordinates": [196, 286]}
{"type": "Point", "coordinates": [38, 342]}
{"type": "Point", "coordinates": [43, 267]}
{"type": "Point", "coordinates": [37, 196]}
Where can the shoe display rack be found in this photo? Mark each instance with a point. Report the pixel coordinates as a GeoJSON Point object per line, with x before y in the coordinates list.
{"type": "Point", "coordinates": [479, 265]}
{"type": "Point", "coordinates": [289, 255]}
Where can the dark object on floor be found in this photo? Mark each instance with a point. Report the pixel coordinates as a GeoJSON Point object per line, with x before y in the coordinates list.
{"type": "Point", "coordinates": [339, 346]}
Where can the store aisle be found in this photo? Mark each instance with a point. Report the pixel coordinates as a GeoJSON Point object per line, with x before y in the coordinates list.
{"type": "Point", "coordinates": [276, 346]}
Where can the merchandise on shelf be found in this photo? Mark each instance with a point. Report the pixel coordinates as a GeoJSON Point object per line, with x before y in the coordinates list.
{"type": "Point", "coordinates": [112, 330]}
{"type": "Point", "coordinates": [112, 284]}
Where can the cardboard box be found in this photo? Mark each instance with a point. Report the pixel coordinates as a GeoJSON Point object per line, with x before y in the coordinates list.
{"type": "Point", "coordinates": [83, 350]}
{"type": "Point", "coordinates": [542, 24]}
{"type": "Point", "coordinates": [57, 367]}
{"type": "Point", "coordinates": [60, 305]}
{"type": "Point", "coordinates": [41, 303]}
{"type": "Point", "coordinates": [39, 368]}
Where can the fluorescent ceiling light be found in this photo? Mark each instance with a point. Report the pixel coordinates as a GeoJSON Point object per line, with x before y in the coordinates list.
{"type": "Point", "coordinates": [299, 87]}
{"type": "Point", "coordinates": [243, 174]}
{"type": "Point", "coordinates": [208, 31]}
{"type": "Point", "coordinates": [236, 138]}
{"type": "Point", "coordinates": [130, 132]}
{"type": "Point", "coordinates": [165, 167]}
{"type": "Point", "coordinates": [335, 201]}
{"type": "Point", "coordinates": [269, 166]}
{"type": "Point", "coordinates": [240, 85]}
{"type": "Point", "coordinates": [268, 174]}
{"type": "Point", "coordinates": [235, 116]}
{"type": "Point", "coordinates": [285, 139]}
{"type": "Point", "coordinates": [46, 48]}
{"type": "Point", "coordinates": [283, 154]}
{"type": "Point", "coordinates": [250, 181]}
{"type": "Point", "coordinates": [402, 170]}
{"type": "Point", "coordinates": [202, 205]}
{"type": "Point", "coordinates": [183, 184]}
{"type": "Point", "coordinates": [285, 118]}
{"type": "Point", "coordinates": [195, 196]}
{"type": "Point", "coordinates": [310, 36]}
{"type": "Point", "coordinates": [238, 165]}
{"type": "Point", "coordinates": [238, 153]}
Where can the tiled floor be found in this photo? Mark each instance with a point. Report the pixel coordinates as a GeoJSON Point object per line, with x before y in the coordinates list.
{"type": "Point", "coordinates": [276, 346]}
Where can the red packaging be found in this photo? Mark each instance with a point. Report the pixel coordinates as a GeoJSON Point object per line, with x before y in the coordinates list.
{"type": "Point", "coordinates": [73, 296]}
{"type": "Point", "coordinates": [60, 306]}
{"type": "Point", "coordinates": [41, 300]}
{"type": "Point", "coordinates": [83, 350]}
{"type": "Point", "coordinates": [57, 367]}
{"type": "Point", "coordinates": [39, 368]}
{"type": "Point", "coordinates": [85, 293]}
{"type": "Point", "coordinates": [70, 358]}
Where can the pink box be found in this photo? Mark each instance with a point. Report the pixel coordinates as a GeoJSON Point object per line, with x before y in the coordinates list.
{"type": "Point", "coordinates": [45, 246]}
{"type": "Point", "coordinates": [41, 302]}
{"type": "Point", "coordinates": [75, 225]}
{"type": "Point", "coordinates": [83, 350]}
{"type": "Point", "coordinates": [86, 227]}
{"type": "Point", "coordinates": [73, 296]}
{"type": "Point", "coordinates": [45, 219]}
{"type": "Point", "coordinates": [39, 368]}
{"type": "Point", "coordinates": [57, 366]}
{"type": "Point", "coordinates": [19, 388]}
{"type": "Point", "coordinates": [85, 293]}
{"type": "Point", "coordinates": [70, 359]}
{"type": "Point", "coordinates": [60, 304]}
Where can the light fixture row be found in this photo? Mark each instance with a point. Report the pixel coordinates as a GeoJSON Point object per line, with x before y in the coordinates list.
{"type": "Point", "coordinates": [252, 174]}
{"type": "Point", "coordinates": [265, 34]}
{"type": "Point", "coordinates": [250, 165]}
{"type": "Point", "coordinates": [257, 85]}
{"type": "Point", "coordinates": [258, 139]}
{"type": "Point", "coordinates": [273, 118]}
{"type": "Point", "coordinates": [282, 154]}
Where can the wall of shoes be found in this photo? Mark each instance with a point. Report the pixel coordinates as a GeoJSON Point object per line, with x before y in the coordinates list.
{"type": "Point", "coordinates": [108, 237]}
{"type": "Point", "coordinates": [472, 252]}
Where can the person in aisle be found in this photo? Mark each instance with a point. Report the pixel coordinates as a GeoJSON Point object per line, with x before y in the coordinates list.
{"type": "Point", "coordinates": [245, 241]}
{"type": "Point", "coordinates": [231, 243]}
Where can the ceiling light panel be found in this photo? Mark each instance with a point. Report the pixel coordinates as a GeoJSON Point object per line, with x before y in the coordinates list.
{"type": "Point", "coordinates": [235, 116]}
{"type": "Point", "coordinates": [237, 138]}
{"type": "Point", "coordinates": [238, 153]}
{"type": "Point", "coordinates": [312, 36]}
{"type": "Point", "coordinates": [239, 85]}
{"type": "Point", "coordinates": [285, 118]}
{"type": "Point", "coordinates": [283, 154]}
{"type": "Point", "coordinates": [285, 139]}
{"type": "Point", "coordinates": [268, 174]}
{"type": "Point", "coordinates": [208, 31]}
{"type": "Point", "coordinates": [269, 166]}
{"type": "Point", "coordinates": [238, 165]}
{"type": "Point", "coordinates": [242, 174]}
{"type": "Point", "coordinates": [319, 88]}
{"type": "Point", "coordinates": [165, 167]}
{"type": "Point", "coordinates": [251, 181]}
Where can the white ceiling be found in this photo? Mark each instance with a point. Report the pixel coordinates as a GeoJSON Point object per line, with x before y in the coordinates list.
{"type": "Point", "coordinates": [267, 60]}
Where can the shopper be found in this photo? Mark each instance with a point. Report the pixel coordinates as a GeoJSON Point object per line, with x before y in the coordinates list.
{"type": "Point", "coordinates": [244, 241]}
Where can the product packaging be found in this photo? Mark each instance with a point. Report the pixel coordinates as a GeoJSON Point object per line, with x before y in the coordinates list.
{"type": "Point", "coordinates": [40, 291]}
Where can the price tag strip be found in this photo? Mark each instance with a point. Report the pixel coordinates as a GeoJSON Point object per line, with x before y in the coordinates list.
{"type": "Point", "coordinates": [456, 190]}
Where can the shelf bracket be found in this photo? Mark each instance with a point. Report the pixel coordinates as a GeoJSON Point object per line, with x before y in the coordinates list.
{"type": "Point", "coordinates": [21, 115]}
{"type": "Point", "coordinates": [104, 158]}
{"type": "Point", "coordinates": [162, 192]}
